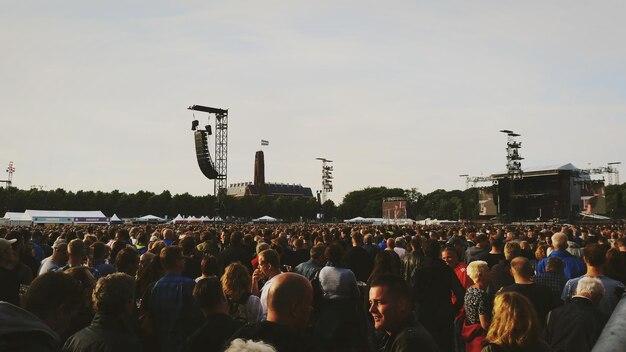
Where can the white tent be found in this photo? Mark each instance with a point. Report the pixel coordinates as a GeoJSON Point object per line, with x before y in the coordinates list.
{"type": "Point", "coordinates": [178, 219]}
{"type": "Point", "coordinates": [380, 221]}
{"type": "Point", "coordinates": [14, 219]}
{"type": "Point", "coordinates": [192, 219]}
{"type": "Point", "coordinates": [215, 219]}
{"type": "Point", "coordinates": [150, 218]}
{"type": "Point", "coordinates": [266, 219]}
{"type": "Point", "coordinates": [65, 217]}
{"type": "Point", "coordinates": [116, 220]}
{"type": "Point", "coordinates": [13, 216]}
{"type": "Point", "coordinates": [359, 220]}
{"type": "Point", "coordinates": [429, 221]}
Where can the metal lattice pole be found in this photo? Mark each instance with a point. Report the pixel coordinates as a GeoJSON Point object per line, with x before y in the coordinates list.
{"type": "Point", "coordinates": [221, 152]}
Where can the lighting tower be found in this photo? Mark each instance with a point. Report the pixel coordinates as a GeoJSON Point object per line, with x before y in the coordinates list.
{"type": "Point", "coordinates": [327, 178]}
{"type": "Point", "coordinates": [8, 182]}
{"type": "Point", "coordinates": [10, 171]}
{"type": "Point", "coordinates": [513, 165]}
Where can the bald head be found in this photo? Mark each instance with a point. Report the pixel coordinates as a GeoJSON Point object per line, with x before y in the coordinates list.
{"type": "Point", "coordinates": [289, 300]}
{"type": "Point", "coordinates": [520, 267]}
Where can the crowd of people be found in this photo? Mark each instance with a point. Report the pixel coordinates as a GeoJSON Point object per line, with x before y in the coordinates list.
{"type": "Point", "coordinates": [296, 287]}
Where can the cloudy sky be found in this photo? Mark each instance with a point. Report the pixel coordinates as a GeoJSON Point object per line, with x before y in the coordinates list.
{"type": "Point", "coordinates": [93, 94]}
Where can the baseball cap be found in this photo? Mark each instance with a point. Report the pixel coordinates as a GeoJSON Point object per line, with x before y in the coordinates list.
{"type": "Point", "coordinates": [455, 240]}
{"type": "Point", "coordinates": [4, 244]}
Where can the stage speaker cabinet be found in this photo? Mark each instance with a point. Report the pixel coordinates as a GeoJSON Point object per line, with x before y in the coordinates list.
{"type": "Point", "coordinates": [202, 154]}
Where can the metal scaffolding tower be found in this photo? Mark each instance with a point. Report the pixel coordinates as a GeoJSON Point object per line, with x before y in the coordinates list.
{"type": "Point", "coordinates": [221, 146]}
{"type": "Point", "coordinates": [10, 170]}
{"type": "Point", "coordinates": [513, 165]}
{"type": "Point", "coordinates": [327, 179]}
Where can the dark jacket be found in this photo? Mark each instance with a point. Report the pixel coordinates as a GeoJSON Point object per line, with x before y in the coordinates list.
{"type": "Point", "coordinates": [357, 260]}
{"type": "Point", "coordinates": [283, 338]}
{"type": "Point", "coordinates": [105, 334]}
{"type": "Point", "coordinates": [501, 276]}
{"type": "Point", "coordinates": [539, 295]}
{"type": "Point", "coordinates": [410, 263]}
{"type": "Point", "coordinates": [212, 335]}
{"type": "Point", "coordinates": [433, 284]}
{"type": "Point", "coordinates": [411, 337]}
{"type": "Point", "coordinates": [476, 253]}
{"type": "Point", "coordinates": [575, 326]}
{"type": "Point", "coordinates": [22, 331]}
{"type": "Point", "coordinates": [236, 254]}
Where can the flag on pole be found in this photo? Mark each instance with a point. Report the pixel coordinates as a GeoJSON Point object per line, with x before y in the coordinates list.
{"type": "Point", "coordinates": [264, 142]}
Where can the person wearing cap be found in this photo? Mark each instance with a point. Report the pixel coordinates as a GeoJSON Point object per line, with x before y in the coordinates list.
{"type": "Point", "coordinates": [260, 247]}
{"type": "Point", "coordinates": [459, 244]}
{"type": "Point", "coordinates": [57, 259]}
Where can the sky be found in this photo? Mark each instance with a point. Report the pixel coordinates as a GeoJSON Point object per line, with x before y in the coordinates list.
{"type": "Point", "coordinates": [94, 94]}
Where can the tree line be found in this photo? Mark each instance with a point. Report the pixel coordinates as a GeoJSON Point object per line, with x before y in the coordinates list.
{"type": "Point", "coordinates": [440, 204]}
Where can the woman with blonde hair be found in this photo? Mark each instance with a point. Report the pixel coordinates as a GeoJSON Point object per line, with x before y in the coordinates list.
{"type": "Point", "coordinates": [477, 306]}
{"type": "Point", "coordinates": [243, 306]}
{"type": "Point", "coordinates": [515, 327]}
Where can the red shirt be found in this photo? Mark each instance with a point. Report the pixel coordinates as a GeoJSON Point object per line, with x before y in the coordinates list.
{"type": "Point", "coordinates": [461, 272]}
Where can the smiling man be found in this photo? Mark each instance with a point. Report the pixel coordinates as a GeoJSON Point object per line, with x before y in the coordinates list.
{"type": "Point", "coordinates": [390, 306]}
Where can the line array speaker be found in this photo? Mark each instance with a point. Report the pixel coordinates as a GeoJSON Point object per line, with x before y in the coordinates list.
{"type": "Point", "coordinates": [203, 156]}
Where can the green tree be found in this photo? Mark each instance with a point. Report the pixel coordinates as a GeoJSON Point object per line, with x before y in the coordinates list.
{"type": "Point", "coordinates": [367, 202]}
{"type": "Point", "coordinates": [329, 209]}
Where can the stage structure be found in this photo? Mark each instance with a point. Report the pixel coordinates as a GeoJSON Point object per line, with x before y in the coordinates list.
{"type": "Point", "coordinates": [561, 192]}
{"type": "Point", "coordinates": [215, 171]}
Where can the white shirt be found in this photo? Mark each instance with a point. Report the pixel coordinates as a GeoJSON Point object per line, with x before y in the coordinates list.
{"type": "Point", "coordinates": [400, 251]}
{"type": "Point", "coordinates": [264, 291]}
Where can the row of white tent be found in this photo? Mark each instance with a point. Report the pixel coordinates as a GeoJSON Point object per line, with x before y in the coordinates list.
{"type": "Point", "coordinates": [180, 219]}
{"type": "Point", "coordinates": [30, 217]}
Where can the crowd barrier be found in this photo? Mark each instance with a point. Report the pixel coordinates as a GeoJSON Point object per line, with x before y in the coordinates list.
{"type": "Point", "coordinates": [613, 337]}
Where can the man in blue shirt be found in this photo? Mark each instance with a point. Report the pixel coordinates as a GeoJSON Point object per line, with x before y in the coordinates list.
{"type": "Point", "coordinates": [572, 266]}
{"type": "Point", "coordinates": [174, 311]}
